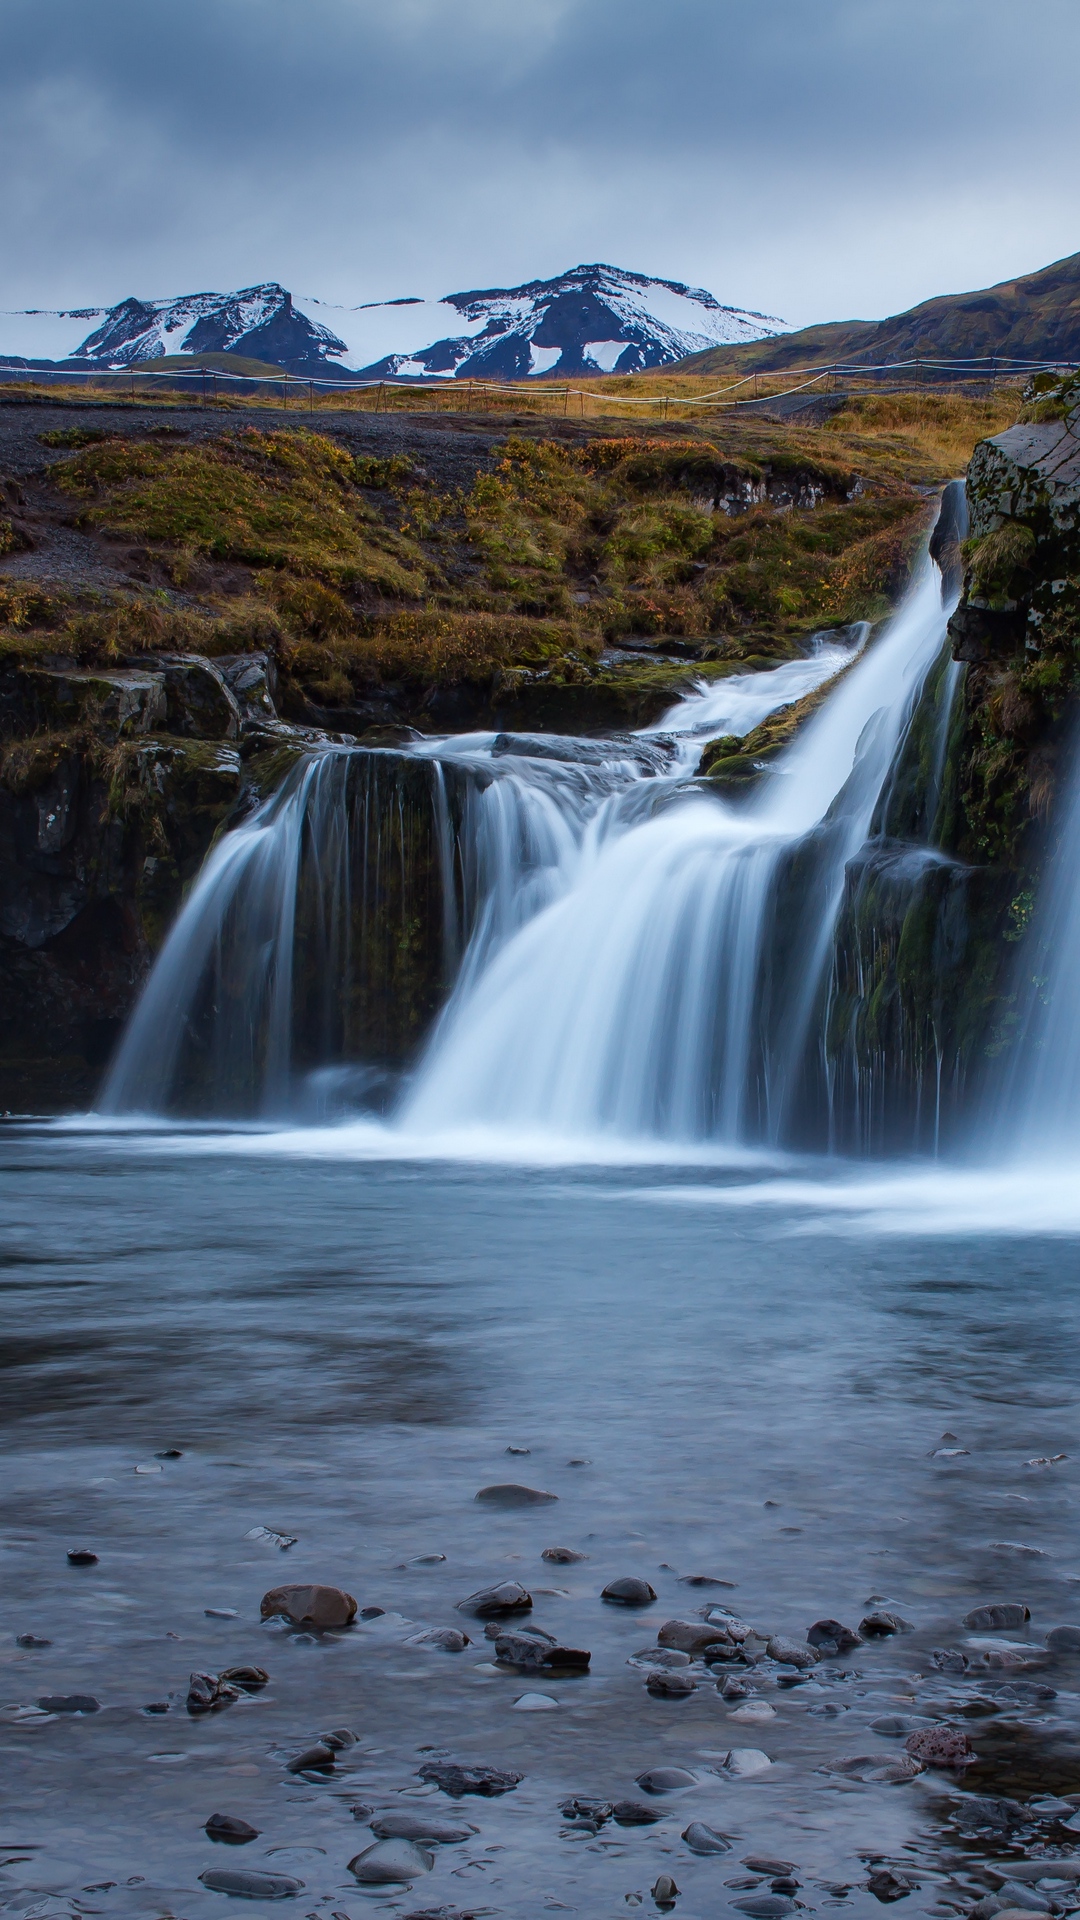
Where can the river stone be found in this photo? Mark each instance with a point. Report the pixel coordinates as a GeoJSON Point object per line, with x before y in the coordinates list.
{"type": "Point", "coordinates": [535, 1703]}
{"type": "Point", "coordinates": [317, 1759]}
{"type": "Point", "coordinates": [250, 1884]}
{"type": "Point", "coordinates": [687, 1636]}
{"type": "Point", "coordinates": [767, 1863]}
{"type": "Point", "coordinates": [702, 1839]}
{"type": "Point", "coordinates": [458, 1780]}
{"type": "Point", "coordinates": [562, 1556]}
{"type": "Point", "coordinates": [427, 1828]}
{"type": "Point", "coordinates": [670, 1686]}
{"type": "Point", "coordinates": [1012, 1893]}
{"type": "Point", "coordinates": [450, 1639]}
{"type": "Point", "coordinates": [209, 1691]}
{"type": "Point", "coordinates": [665, 1780]}
{"type": "Point", "coordinates": [593, 1813]}
{"type": "Point", "coordinates": [664, 1891]}
{"type": "Point", "coordinates": [391, 1863]}
{"type": "Point", "coordinates": [669, 1657]}
{"type": "Point", "coordinates": [997, 1615]}
{"type": "Point", "coordinates": [765, 1906]}
{"type": "Point", "coordinates": [744, 1762]}
{"type": "Point", "coordinates": [703, 1580]}
{"type": "Point", "coordinates": [309, 1606]}
{"type": "Point", "coordinates": [879, 1624]}
{"type": "Point", "coordinates": [81, 1557]}
{"type": "Point", "coordinates": [531, 1652]}
{"type": "Point", "coordinates": [69, 1703]}
{"type": "Point", "coordinates": [634, 1813]}
{"type": "Point", "coordinates": [897, 1726]}
{"type": "Point", "coordinates": [790, 1653]}
{"type": "Point", "coordinates": [226, 1826]}
{"type": "Point", "coordinates": [1059, 1640]}
{"type": "Point", "coordinates": [887, 1885]}
{"type": "Point", "coordinates": [338, 1739]}
{"type": "Point", "coordinates": [940, 1746]}
{"type": "Point", "coordinates": [754, 1713]}
{"type": "Point", "coordinates": [508, 1494]}
{"type": "Point", "coordinates": [629, 1592]}
{"type": "Point", "coordinates": [492, 1602]}
{"type": "Point", "coordinates": [250, 1679]}
{"type": "Point", "coordinates": [31, 1640]}
{"type": "Point", "coordinates": [831, 1637]}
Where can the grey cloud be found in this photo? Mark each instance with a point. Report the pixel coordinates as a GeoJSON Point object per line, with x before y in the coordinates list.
{"type": "Point", "coordinates": [766, 148]}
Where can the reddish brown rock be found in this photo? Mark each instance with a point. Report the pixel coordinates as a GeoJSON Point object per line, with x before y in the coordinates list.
{"type": "Point", "coordinates": [309, 1606]}
{"type": "Point", "coordinates": [939, 1746]}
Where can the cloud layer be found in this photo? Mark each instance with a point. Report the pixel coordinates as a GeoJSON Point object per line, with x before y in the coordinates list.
{"type": "Point", "coordinates": [820, 162]}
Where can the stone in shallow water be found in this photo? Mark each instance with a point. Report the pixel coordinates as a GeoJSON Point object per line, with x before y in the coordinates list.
{"type": "Point", "coordinates": [831, 1637]}
{"type": "Point", "coordinates": [665, 1780]}
{"type": "Point", "coordinates": [592, 1813]}
{"type": "Point", "coordinates": [1059, 1640]}
{"type": "Point", "coordinates": [31, 1640]}
{"type": "Point", "coordinates": [227, 1827]}
{"type": "Point", "coordinates": [458, 1780]}
{"type": "Point", "coordinates": [879, 1624]}
{"type": "Point", "coordinates": [450, 1639]}
{"type": "Point", "coordinates": [941, 1746]}
{"type": "Point", "coordinates": [391, 1863]}
{"type": "Point", "coordinates": [767, 1863]}
{"type": "Point", "coordinates": [493, 1602]}
{"type": "Point", "coordinates": [509, 1494]}
{"type": "Point", "coordinates": [888, 1885]}
{"type": "Point", "coordinates": [633, 1813]}
{"type": "Point", "coordinates": [249, 1884]}
{"type": "Point", "coordinates": [629, 1592]}
{"type": "Point", "coordinates": [535, 1703]}
{"type": "Point", "coordinates": [81, 1557]}
{"type": "Point", "coordinates": [665, 1685]}
{"type": "Point", "coordinates": [743, 1762]}
{"type": "Point", "coordinates": [316, 1759]}
{"type": "Point", "coordinates": [765, 1906]}
{"type": "Point", "coordinates": [309, 1606]}
{"type": "Point", "coordinates": [703, 1580]}
{"type": "Point", "coordinates": [424, 1827]}
{"type": "Point", "coordinates": [997, 1615]}
{"type": "Point", "coordinates": [702, 1839]}
{"type": "Point", "coordinates": [688, 1636]}
{"type": "Point", "coordinates": [791, 1653]}
{"type": "Point", "coordinates": [563, 1556]}
{"type": "Point", "coordinates": [69, 1703]}
{"type": "Point", "coordinates": [664, 1891]}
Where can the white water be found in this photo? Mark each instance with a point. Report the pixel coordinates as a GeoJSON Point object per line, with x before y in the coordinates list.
{"type": "Point", "coordinates": [1043, 1096]}
{"type": "Point", "coordinates": [649, 997]}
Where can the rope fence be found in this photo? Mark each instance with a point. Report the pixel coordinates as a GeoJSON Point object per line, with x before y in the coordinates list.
{"type": "Point", "coordinates": [470, 394]}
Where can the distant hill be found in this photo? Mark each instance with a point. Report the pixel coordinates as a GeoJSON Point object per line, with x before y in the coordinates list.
{"type": "Point", "coordinates": [1034, 318]}
{"type": "Point", "coordinates": [590, 320]}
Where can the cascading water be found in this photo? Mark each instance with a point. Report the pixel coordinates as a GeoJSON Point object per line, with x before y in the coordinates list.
{"type": "Point", "coordinates": [1041, 1112]}
{"type": "Point", "coordinates": [624, 952]}
{"type": "Point", "coordinates": [670, 989]}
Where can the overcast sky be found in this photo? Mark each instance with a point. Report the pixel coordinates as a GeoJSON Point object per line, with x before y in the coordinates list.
{"type": "Point", "coordinates": [816, 159]}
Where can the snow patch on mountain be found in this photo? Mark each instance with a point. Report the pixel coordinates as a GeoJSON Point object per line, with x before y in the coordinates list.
{"type": "Point", "coordinates": [593, 319]}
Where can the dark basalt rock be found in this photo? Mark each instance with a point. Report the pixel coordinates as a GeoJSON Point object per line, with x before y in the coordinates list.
{"type": "Point", "coordinates": [249, 1884]}
{"type": "Point", "coordinates": [591, 1814]}
{"type": "Point", "coordinates": [670, 1686]}
{"type": "Point", "coordinates": [997, 1615]}
{"type": "Point", "coordinates": [509, 1494]}
{"type": "Point", "coordinates": [427, 1828]}
{"type": "Point", "coordinates": [207, 1692]}
{"type": "Point", "coordinates": [880, 1624]}
{"type": "Point", "coordinates": [81, 1557]}
{"type": "Point", "coordinates": [227, 1827]}
{"type": "Point", "coordinates": [69, 1703]}
{"type": "Point", "coordinates": [317, 1759]}
{"type": "Point", "coordinates": [629, 1592]}
{"type": "Point", "coordinates": [248, 1679]}
{"type": "Point", "coordinates": [634, 1813]}
{"type": "Point", "coordinates": [31, 1640]}
{"type": "Point", "coordinates": [562, 1556]}
{"type": "Point", "coordinates": [495, 1602]}
{"type": "Point", "coordinates": [533, 1653]}
{"type": "Point", "coordinates": [887, 1885]}
{"type": "Point", "coordinates": [458, 1780]}
{"type": "Point", "coordinates": [1059, 1640]}
{"type": "Point", "coordinates": [830, 1638]}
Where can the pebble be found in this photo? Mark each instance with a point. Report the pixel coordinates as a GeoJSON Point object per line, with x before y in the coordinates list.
{"type": "Point", "coordinates": [170, 1453]}
{"type": "Point", "coordinates": [765, 1906]}
{"type": "Point", "coordinates": [250, 1679]}
{"type": "Point", "coordinates": [732, 1689]}
{"type": "Point", "coordinates": [490, 1602]}
{"type": "Point", "coordinates": [664, 1891]}
{"type": "Point", "coordinates": [702, 1839]}
{"type": "Point", "coordinates": [519, 1450]}
{"type": "Point", "coordinates": [590, 1813]}
{"type": "Point", "coordinates": [535, 1703]}
{"type": "Point", "coordinates": [149, 1466]}
{"type": "Point", "coordinates": [687, 1636]}
{"type": "Point", "coordinates": [670, 1686]}
{"type": "Point", "coordinates": [563, 1556]}
{"type": "Point", "coordinates": [338, 1740]}
{"type": "Point", "coordinates": [791, 1653]}
{"type": "Point", "coordinates": [743, 1762]}
{"type": "Point", "coordinates": [767, 1863]}
{"type": "Point", "coordinates": [319, 1759]}
{"type": "Point", "coordinates": [31, 1640]}
{"type": "Point", "coordinates": [996, 1615]}
{"type": "Point", "coordinates": [422, 1827]}
{"type": "Point", "coordinates": [249, 1883]}
{"type": "Point", "coordinates": [509, 1494]}
{"type": "Point", "coordinates": [1059, 1640]}
{"type": "Point", "coordinates": [207, 1692]}
{"type": "Point", "coordinates": [879, 1624]}
{"type": "Point", "coordinates": [457, 1780]}
{"type": "Point", "coordinates": [391, 1863]}
{"type": "Point", "coordinates": [533, 1652]}
{"type": "Point", "coordinates": [831, 1637]}
{"type": "Point", "coordinates": [69, 1703]}
{"type": "Point", "coordinates": [81, 1557]}
{"type": "Point", "coordinates": [941, 1746]}
{"type": "Point", "coordinates": [309, 1606]}
{"type": "Point", "coordinates": [755, 1712]}
{"type": "Point", "coordinates": [221, 1613]}
{"type": "Point", "coordinates": [703, 1580]}
{"type": "Point", "coordinates": [665, 1780]}
{"type": "Point", "coordinates": [633, 1813]}
{"type": "Point", "coordinates": [888, 1885]}
{"type": "Point", "coordinates": [225, 1826]}
{"type": "Point", "coordinates": [669, 1657]}
{"type": "Point", "coordinates": [450, 1639]}
{"type": "Point", "coordinates": [629, 1592]}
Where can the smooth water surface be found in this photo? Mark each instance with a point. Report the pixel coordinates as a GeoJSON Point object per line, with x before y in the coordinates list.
{"type": "Point", "coordinates": [718, 1374]}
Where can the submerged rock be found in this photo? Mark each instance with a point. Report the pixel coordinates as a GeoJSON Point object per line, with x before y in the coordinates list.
{"type": "Point", "coordinates": [702, 1839]}
{"type": "Point", "coordinates": [391, 1863]}
{"type": "Point", "coordinates": [81, 1557]}
{"type": "Point", "coordinates": [665, 1780]}
{"type": "Point", "coordinates": [509, 1494]}
{"type": "Point", "coordinates": [687, 1636]}
{"type": "Point", "coordinates": [458, 1780]}
{"type": "Point", "coordinates": [317, 1759]}
{"type": "Point", "coordinates": [940, 1746]}
{"type": "Point", "coordinates": [830, 1637]}
{"type": "Point", "coordinates": [563, 1556]}
{"type": "Point", "coordinates": [450, 1639]}
{"type": "Point", "coordinates": [670, 1686]}
{"type": "Point", "coordinates": [1059, 1640]}
{"type": "Point", "coordinates": [881, 1623]}
{"type": "Point", "coordinates": [629, 1592]}
{"type": "Point", "coordinates": [427, 1828]}
{"type": "Point", "coordinates": [249, 1884]}
{"type": "Point", "coordinates": [634, 1813]}
{"type": "Point", "coordinates": [996, 1615]}
{"type": "Point", "coordinates": [491, 1602]}
{"type": "Point", "coordinates": [227, 1827]}
{"type": "Point", "coordinates": [69, 1703]}
{"type": "Point", "coordinates": [309, 1606]}
{"type": "Point", "coordinates": [791, 1653]}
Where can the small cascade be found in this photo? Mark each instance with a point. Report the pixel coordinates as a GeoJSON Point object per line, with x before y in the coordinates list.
{"type": "Point", "coordinates": [313, 951]}
{"type": "Point", "coordinates": [674, 986]}
{"type": "Point", "coordinates": [1040, 1114]}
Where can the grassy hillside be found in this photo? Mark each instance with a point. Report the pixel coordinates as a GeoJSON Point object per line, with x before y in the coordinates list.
{"type": "Point", "coordinates": [1036, 317]}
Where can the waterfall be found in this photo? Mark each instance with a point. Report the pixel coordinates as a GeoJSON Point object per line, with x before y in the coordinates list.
{"type": "Point", "coordinates": [670, 986]}
{"type": "Point", "coordinates": [1040, 1113]}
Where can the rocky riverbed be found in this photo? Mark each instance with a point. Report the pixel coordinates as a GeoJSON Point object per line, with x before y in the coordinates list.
{"type": "Point", "coordinates": [383, 1538]}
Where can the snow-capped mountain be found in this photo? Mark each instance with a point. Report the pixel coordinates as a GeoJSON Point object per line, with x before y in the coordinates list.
{"type": "Point", "coordinates": [594, 319]}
